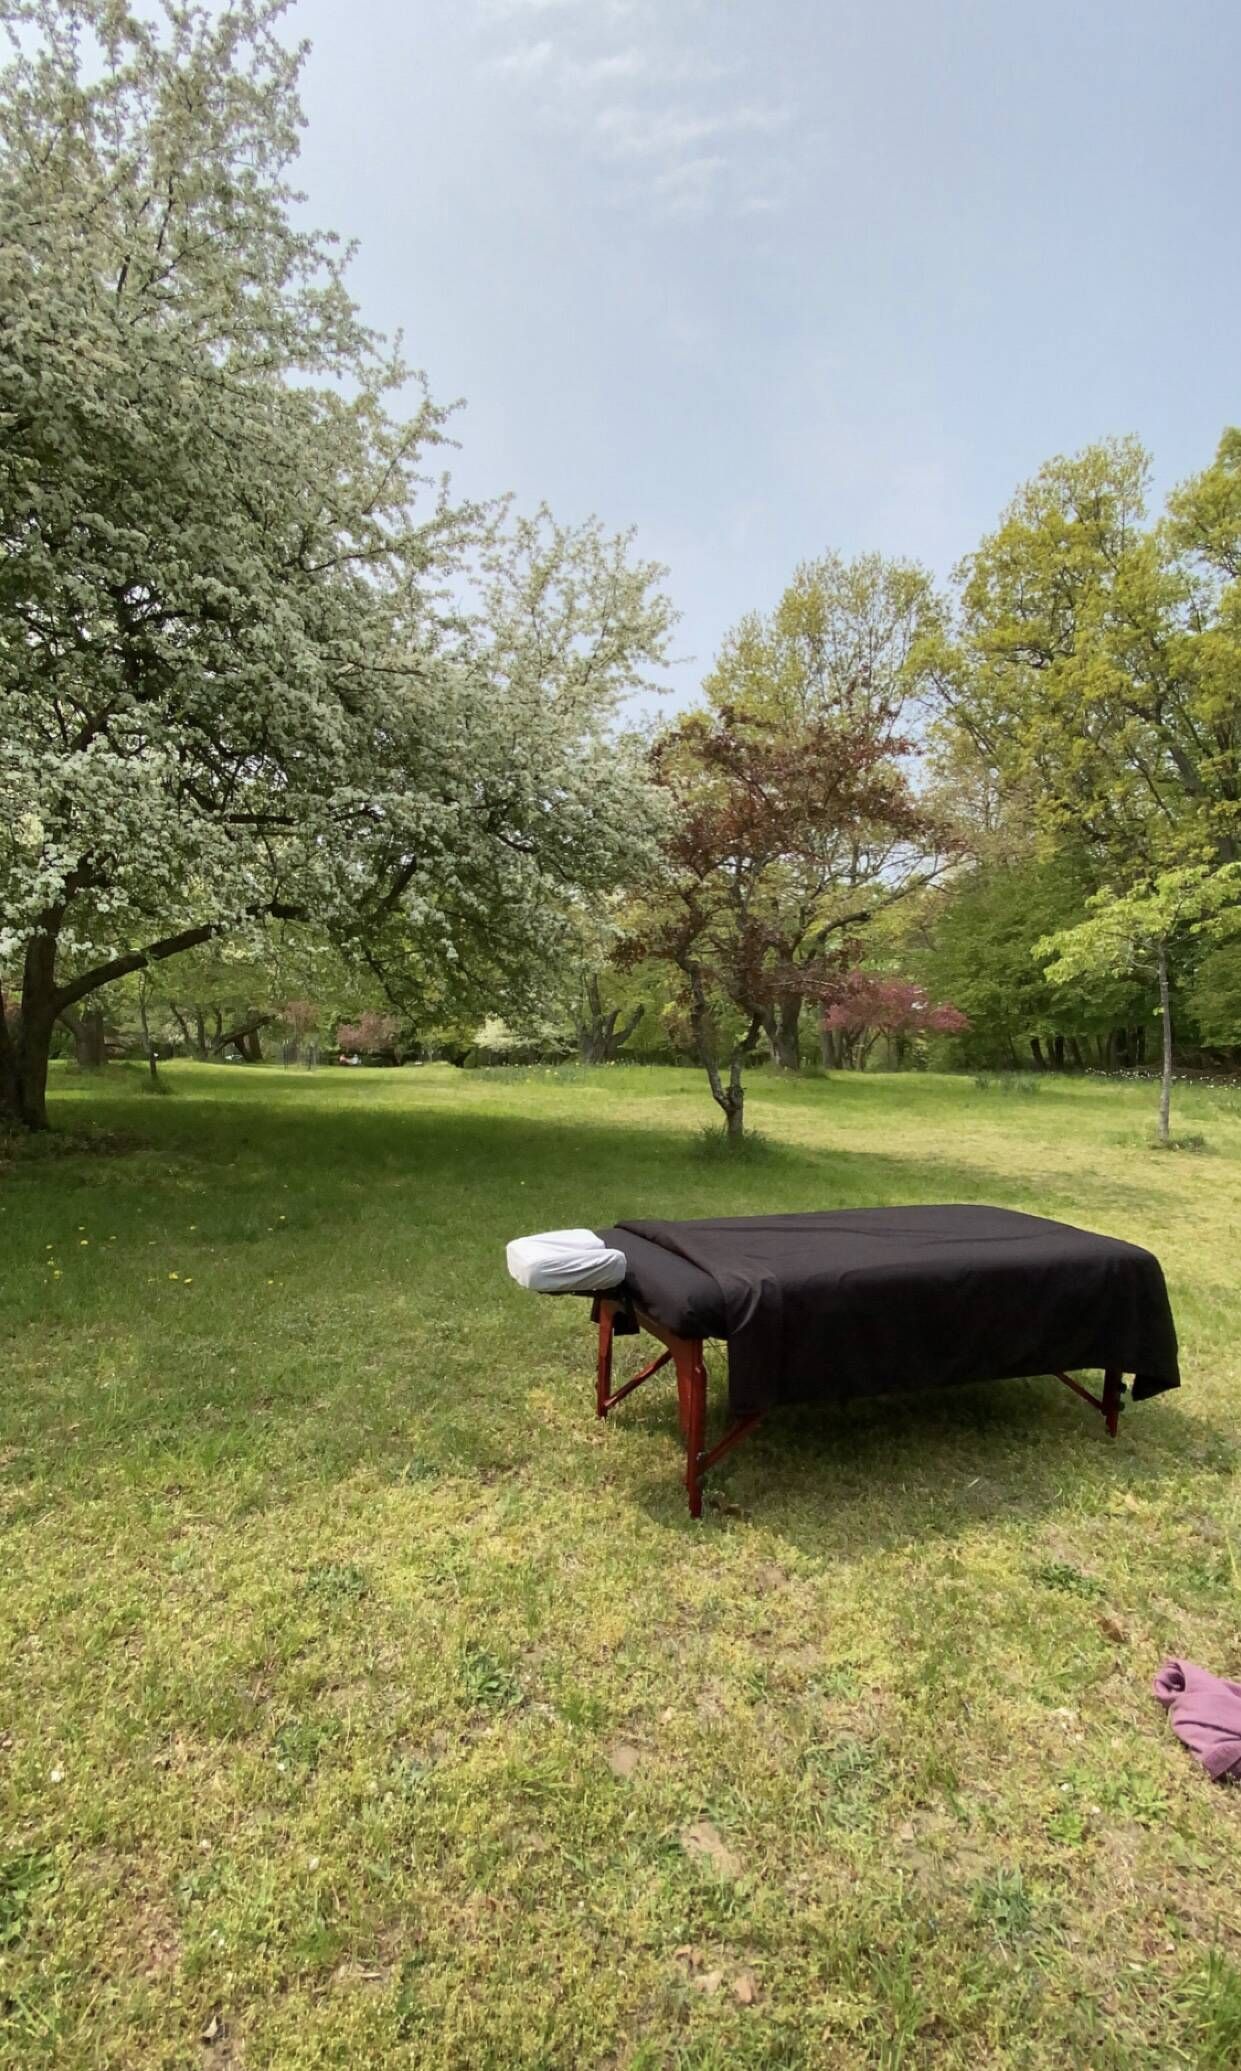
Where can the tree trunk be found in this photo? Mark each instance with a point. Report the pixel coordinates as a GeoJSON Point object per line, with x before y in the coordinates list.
{"type": "Point", "coordinates": [24, 1060]}
{"type": "Point", "coordinates": [26, 1040]}
{"type": "Point", "coordinates": [86, 1028]}
{"type": "Point", "coordinates": [96, 1047]}
{"type": "Point", "coordinates": [827, 1048]}
{"type": "Point", "coordinates": [200, 1034]}
{"type": "Point", "coordinates": [601, 1033]}
{"type": "Point", "coordinates": [26, 1037]}
{"type": "Point", "coordinates": [590, 1025]}
{"type": "Point", "coordinates": [781, 1026]}
{"type": "Point", "coordinates": [1036, 1052]}
{"type": "Point", "coordinates": [620, 1031]}
{"type": "Point", "coordinates": [245, 1037]}
{"type": "Point", "coordinates": [1165, 1016]}
{"type": "Point", "coordinates": [143, 1022]}
{"type": "Point", "coordinates": [1057, 1052]}
{"type": "Point", "coordinates": [730, 1098]}
{"type": "Point", "coordinates": [788, 1030]}
{"type": "Point", "coordinates": [1075, 1052]}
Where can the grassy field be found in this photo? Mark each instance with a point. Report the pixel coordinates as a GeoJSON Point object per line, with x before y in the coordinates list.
{"type": "Point", "coordinates": [363, 1702]}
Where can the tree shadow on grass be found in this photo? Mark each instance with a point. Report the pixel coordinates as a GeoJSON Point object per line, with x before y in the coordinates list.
{"type": "Point", "coordinates": [845, 1479]}
{"type": "Point", "coordinates": [302, 1122]}
{"type": "Point", "coordinates": [405, 1351]}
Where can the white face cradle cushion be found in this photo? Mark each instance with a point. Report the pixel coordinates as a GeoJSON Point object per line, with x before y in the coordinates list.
{"type": "Point", "coordinates": [565, 1262]}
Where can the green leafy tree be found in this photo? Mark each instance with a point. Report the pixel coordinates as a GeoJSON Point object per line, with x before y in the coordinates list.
{"type": "Point", "coordinates": [1079, 668]}
{"type": "Point", "coordinates": [237, 679]}
{"type": "Point", "coordinates": [1132, 931]}
{"type": "Point", "coordinates": [845, 637]}
{"type": "Point", "coordinates": [214, 998]}
{"type": "Point", "coordinates": [1214, 996]}
{"type": "Point", "coordinates": [1094, 669]}
{"type": "Point", "coordinates": [978, 950]}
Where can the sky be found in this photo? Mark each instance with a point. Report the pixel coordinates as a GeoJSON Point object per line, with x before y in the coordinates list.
{"type": "Point", "coordinates": [763, 278]}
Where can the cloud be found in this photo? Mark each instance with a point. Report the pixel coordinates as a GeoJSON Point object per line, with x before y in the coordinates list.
{"type": "Point", "coordinates": [618, 64]}
{"type": "Point", "coordinates": [687, 187]}
{"type": "Point", "coordinates": [666, 133]}
{"type": "Point", "coordinates": [514, 10]}
{"type": "Point", "coordinates": [676, 136]}
{"type": "Point", "coordinates": [517, 11]}
{"type": "Point", "coordinates": [528, 60]}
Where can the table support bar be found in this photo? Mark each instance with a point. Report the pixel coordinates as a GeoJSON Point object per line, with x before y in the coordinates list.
{"type": "Point", "coordinates": [685, 1355]}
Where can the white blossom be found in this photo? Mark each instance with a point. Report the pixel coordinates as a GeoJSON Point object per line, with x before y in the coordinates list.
{"type": "Point", "coordinates": [253, 658]}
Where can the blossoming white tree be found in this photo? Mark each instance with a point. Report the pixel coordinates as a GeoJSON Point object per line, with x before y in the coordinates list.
{"type": "Point", "coordinates": [238, 679]}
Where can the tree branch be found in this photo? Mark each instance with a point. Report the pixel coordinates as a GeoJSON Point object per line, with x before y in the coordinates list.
{"type": "Point", "coordinates": [155, 952]}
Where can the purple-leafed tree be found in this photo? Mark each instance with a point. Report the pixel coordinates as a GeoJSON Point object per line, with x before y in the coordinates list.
{"type": "Point", "coordinates": [861, 1006]}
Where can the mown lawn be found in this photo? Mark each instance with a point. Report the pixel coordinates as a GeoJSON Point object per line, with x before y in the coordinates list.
{"type": "Point", "coordinates": [363, 1702]}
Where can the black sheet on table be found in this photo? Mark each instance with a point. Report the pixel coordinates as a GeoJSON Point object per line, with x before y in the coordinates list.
{"type": "Point", "coordinates": [863, 1301]}
{"type": "Point", "coordinates": [668, 1287]}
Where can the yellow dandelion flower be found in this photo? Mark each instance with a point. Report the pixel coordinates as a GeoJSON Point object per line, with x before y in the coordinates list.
{"type": "Point", "coordinates": [174, 1276]}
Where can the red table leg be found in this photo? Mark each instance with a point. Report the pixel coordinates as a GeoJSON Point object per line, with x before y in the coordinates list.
{"type": "Point", "coordinates": [1111, 1400]}
{"type": "Point", "coordinates": [685, 1354]}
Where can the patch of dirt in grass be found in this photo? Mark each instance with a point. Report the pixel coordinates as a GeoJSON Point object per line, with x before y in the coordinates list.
{"type": "Point", "coordinates": [803, 1660]}
{"type": "Point", "coordinates": [703, 1842]}
{"type": "Point", "coordinates": [159, 1941]}
{"type": "Point", "coordinates": [712, 1702]}
{"type": "Point", "coordinates": [623, 1758]}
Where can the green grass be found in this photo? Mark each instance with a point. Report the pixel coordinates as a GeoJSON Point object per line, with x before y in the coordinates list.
{"type": "Point", "coordinates": [364, 1703]}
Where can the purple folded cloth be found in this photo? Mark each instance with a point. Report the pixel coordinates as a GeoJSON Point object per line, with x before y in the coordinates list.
{"type": "Point", "coordinates": [1206, 1714]}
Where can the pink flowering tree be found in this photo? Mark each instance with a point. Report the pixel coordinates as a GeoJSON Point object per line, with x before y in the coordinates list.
{"type": "Point", "coordinates": [371, 1035]}
{"type": "Point", "coordinates": [867, 1004]}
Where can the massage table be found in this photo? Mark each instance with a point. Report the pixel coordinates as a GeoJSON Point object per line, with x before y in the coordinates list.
{"type": "Point", "coordinates": [863, 1302]}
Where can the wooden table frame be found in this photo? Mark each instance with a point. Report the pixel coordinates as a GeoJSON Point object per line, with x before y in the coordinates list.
{"type": "Point", "coordinates": [685, 1356]}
